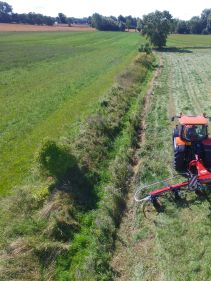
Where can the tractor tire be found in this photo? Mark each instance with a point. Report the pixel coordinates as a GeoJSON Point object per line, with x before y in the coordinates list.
{"type": "Point", "coordinates": [175, 133]}
{"type": "Point", "coordinates": [179, 161]}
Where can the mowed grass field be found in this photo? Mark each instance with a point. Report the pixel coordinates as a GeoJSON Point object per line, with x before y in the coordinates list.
{"type": "Point", "coordinates": [48, 82]}
{"type": "Point", "coordinates": [189, 41]}
{"type": "Point", "coordinates": [175, 243]}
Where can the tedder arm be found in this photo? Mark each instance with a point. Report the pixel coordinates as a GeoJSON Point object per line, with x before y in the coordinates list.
{"type": "Point", "coordinates": [198, 176]}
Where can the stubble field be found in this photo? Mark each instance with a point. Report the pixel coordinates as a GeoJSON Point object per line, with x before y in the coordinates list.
{"type": "Point", "coordinates": [173, 244]}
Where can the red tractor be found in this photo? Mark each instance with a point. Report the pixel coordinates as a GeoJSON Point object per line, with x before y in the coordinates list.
{"type": "Point", "coordinates": [192, 159]}
{"type": "Point", "coordinates": [190, 138]}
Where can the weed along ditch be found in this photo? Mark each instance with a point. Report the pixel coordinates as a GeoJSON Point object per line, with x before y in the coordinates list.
{"type": "Point", "coordinates": [115, 128]}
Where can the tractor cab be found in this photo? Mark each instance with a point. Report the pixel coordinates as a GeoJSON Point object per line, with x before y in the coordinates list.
{"type": "Point", "coordinates": [193, 133]}
{"type": "Point", "coordinates": [193, 128]}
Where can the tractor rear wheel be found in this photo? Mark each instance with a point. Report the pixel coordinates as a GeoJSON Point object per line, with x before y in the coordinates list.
{"type": "Point", "coordinates": [179, 161]}
{"type": "Point", "coordinates": [175, 133]}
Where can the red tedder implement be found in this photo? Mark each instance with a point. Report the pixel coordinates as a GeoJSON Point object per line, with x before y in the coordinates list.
{"type": "Point", "coordinates": [192, 159]}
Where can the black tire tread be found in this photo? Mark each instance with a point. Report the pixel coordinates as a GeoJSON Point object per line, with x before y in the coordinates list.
{"type": "Point", "coordinates": [179, 161]}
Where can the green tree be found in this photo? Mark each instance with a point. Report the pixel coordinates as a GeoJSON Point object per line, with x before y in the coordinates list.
{"type": "Point", "coordinates": [105, 23]}
{"type": "Point", "coordinates": [122, 26]}
{"type": "Point", "coordinates": [209, 23]}
{"type": "Point", "coordinates": [128, 23]}
{"type": "Point", "coordinates": [196, 25]}
{"type": "Point", "coordinates": [69, 21]}
{"type": "Point", "coordinates": [5, 8]}
{"type": "Point", "coordinates": [97, 21]}
{"type": "Point", "coordinates": [156, 27]}
{"type": "Point", "coordinates": [182, 27]}
{"type": "Point", "coordinates": [205, 17]}
{"type": "Point", "coordinates": [174, 24]}
{"type": "Point", "coordinates": [62, 18]}
{"type": "Point", "coordinates": [5, 12]}
{"type": "Point", "coordinates": [139, 25]}
{"type": "Point", "coordinates": [121, 19]}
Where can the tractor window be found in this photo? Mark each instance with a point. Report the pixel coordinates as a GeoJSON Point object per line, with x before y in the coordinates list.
{"type": "Point", "coordinates": [194, 132]}
{"type": "Point", "coordinates": [201, 131]}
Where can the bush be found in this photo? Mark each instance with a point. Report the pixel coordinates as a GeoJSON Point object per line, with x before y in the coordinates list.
{"type": "Point", "coordinates": [205, 31]}
{"type": "Point", "coordinates": [106, 23]}
{"type": "Point", "coordinates": [145, 48]}
{"type": "Point", "coordinates": [145, 60]}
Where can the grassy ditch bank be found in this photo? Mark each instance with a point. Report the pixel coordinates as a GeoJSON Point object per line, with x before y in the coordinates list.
{"type": "Point", "coordinates": [62, 225]}
{"type": "Point", "coordinates": [92, 248]}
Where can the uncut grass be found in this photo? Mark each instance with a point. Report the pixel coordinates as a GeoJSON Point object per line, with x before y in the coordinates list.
{"type": "Point", "coordinates": [174, 243]}
{"type": "Point", "coordinates": [91, 249]}
{"type": "Point", "coordinates": [48, 82]}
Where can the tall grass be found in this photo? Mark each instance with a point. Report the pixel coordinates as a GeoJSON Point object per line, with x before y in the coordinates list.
{"type": "Point", "coordinates": [92, 248]}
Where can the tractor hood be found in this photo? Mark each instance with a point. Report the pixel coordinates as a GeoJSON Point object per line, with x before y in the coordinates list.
{"type": "Point", "coordinates": [193, 120]}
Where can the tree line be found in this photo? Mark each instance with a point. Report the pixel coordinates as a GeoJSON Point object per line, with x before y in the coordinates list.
{"type": "Point", "coordinates": [196, 25]}
{"type": "Point", "coordinates": [7, 16]}
{"type": "Point", "coordinates": [96, 20]}
{"type": "Point", "coordinates": [112, 23]}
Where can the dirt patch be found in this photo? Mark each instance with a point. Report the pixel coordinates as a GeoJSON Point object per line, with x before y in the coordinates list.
{"type": "Point", "coordinates": [125, 250]}
{"type": "Point", "coordinates": [4, 27]}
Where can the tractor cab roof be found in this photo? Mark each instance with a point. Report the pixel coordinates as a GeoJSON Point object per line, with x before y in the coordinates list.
{"type": "Point", "coordinates": [193, 120]}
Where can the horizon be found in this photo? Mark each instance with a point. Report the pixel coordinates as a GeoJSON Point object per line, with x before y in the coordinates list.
{"type": "Point", "coordinates": [83, 8]}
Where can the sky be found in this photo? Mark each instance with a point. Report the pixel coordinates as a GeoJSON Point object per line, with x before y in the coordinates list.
{"type": "Point", "coordinates": [183, 9]}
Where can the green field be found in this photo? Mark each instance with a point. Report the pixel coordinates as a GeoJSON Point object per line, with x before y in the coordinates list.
{"type": "Point", "coordinates": [63, 227]}
{"type": "Point", "coordinates": [48, 82]}
{"type": "Point", "coordinates": [174, 244]}
{"type": "Point", "coordinates": [48, 225]}
{"type": "Point", "coordinates": [189, 41]}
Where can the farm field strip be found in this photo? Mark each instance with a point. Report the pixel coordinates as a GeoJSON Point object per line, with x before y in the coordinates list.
{"type": "Point", "coordinates": [43, 95]}
{"type": "Point", "coordinates": [189, 40]}
{"type": "Point", "coordinates": [5, 27]}
{"type": "Point", "coordinates": [174, 244]}
{"type": "Point", "coordinates": [22, 49]}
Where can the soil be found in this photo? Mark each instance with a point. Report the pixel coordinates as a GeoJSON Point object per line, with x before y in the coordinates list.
{"type": "Point", "coordinates": [5, 27]}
